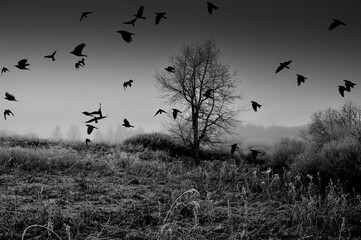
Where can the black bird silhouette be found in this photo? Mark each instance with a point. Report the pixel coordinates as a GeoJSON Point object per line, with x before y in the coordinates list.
{"type": "Point", "coordinates": [22, 64]}
{"type": "Point", "coordinates": [95, 119]}
{"type": "Point", "coordinates": [175, 112]}
{"type": "Point", "coordinates": [336, 23]}
{"type": "Point", "coordinates": [349, 85]}
{"type": "Point", "coordinates": [82, 62]}
{"type": "Point", "coordinates": [7, 112]}
{"type": "Point", "coordinates": [77, 65]}
{"type": "Point", "coordinates": [207, 94]}
{"type": "Point", "coordinates": [87, 114]}
{"type": "Point", "coordinates": [342, 90]}
{"type": "Point", "coordinates": [90, 128]}
{"type": "Point", "coordinates": [140, 13]}
{"type": "Point", "coordinates": [170, 69]}
{"type": "Point", "coordinates": [255, 105]}
{"type": "Point", "coordinates": [131, 22]}
{"type": "Point", "coordinates": [159, 17]}
{"type": "Point", "coordinates": [78, 50]}
{"type": "Point", "coordinates": [160, 111]}
{"type": "Point", "coordinates": [126, 123]}
{"type": "Point", "coordinates": [52, 56]}
{"type": "Point", "coordinates": [87, 141]}
{"type": "Point", "coordinates": [84, 15]}
{"type": "Point", "coordinates": [99, 111]}
{"type": "Point", "coordinates": [283, 65]}
{"type": "Point", "coordinates": [233, 148]}
{"type": "Point", "coordinates": [127, 84]}
{"type": "Point", "coordinates": [10, 97]}
{"type": "Point", "coordinates": [300, 79]}
{"type": "Point", "coordinates": [255, 153]}
{"type": "Point", "coordinates": [211, 7]}
{"type": "Point", "coordinates": [127, 36]}
{"type": "Point", "coordinates": [4, 70]}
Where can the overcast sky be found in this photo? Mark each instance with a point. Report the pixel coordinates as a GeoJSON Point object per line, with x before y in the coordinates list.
{"type": "Point", "coordinates": [253, 36]}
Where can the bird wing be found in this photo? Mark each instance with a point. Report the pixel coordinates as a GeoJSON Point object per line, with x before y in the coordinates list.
{"type": "Point", "coordinates": [8, 95]}
{"type": "Point", "coordinates": [126, 122]}
{"type": "Point", "coordinates": [157, 19]}
{"type": "Point", "coordinates": [140, 11]}
{"type": "Point", "coordinates": [79, 48]}
{"type": "Point", "coordinates": [127, 36]}
{"type": "Point", "coordinates": [280, 67]}
{"type": "Point", "coordinates": [23, 62]}
{"type": "Point", "coordinates": [341, 90]}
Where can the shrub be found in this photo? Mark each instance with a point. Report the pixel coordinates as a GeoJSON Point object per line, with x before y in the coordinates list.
{"type": "Point", "coordinates": [285, 151]}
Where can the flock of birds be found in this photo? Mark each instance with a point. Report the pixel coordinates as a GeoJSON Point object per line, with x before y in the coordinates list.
{"type": "Point", "coordinates": [127, 36]}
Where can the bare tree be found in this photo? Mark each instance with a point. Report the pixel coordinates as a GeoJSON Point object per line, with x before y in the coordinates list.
{"type": "Point", "coordinates": [204, 90]}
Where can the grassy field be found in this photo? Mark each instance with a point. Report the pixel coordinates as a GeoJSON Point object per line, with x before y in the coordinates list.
{"type": "Point", "coordinates": [62, 190]}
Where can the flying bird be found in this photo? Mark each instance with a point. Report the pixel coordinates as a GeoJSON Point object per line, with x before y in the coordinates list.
{"type": "Point", "coordinates": [126, 123]}
{"type": "Point", "coordinates": [10, 97]}
{"type": "Point", "coordinates": [90, 128]}
{"type": "Point", "coordinates": [300, 79]}
{"type": "Point", "coordinates": [170, 69]}
{"type": "Point", "coordinates": [99, 111]}
{"type": "Point", "coordinates": [131, 22]}
{"type": "Point", "coordinates": [52, 56]}
{"type": "Point", "coordinates": [84, 15]}
{"type": "Point", "coordinates": [159, 17]}
{"type": "Point", "coordinates": [255, 153]}
{"type": "Point", "coordinates": [78, 50]}
{"type": "Point", "coordinates": [22, 64]}
{"type": "Point", "coordinates": [175, 112]}
{"type": "Point", "coordinates": [87, 141]}
{"type": "Point", "coordinates": [95, 119]}
{"type": "Point", "coordinates": [81, 62]}
{"type": "Point", "coordinates": [335, 24]}
{"type": "Point", "coordinates": [87, 114]}
{"type": "Point", "coordinates": [233, 148]}
{"type": "Point", "coordinates": [7, 112]}
{"type": "Point", "coordinates": [140, 13]}
{"type": "Point", "coordinates": [283, 65]}
{"type": "Point", "coordinates": [127, 84]}
{"type": "Point", "coordinates": [127, 36]}
{"type": "Point", "coordinates": [207, 94]}
{"type": "Point", "coordinates": [211, 7]}
{"type": "Point", "coordinates": [4, 70]}
{"type": "Point", "coordinates": [160, 111]}
{"type": "Point", "coordinates": [255, 105]}
{"type": "Point", "coordinates": [349, 85]}
{"type": "Point", "coordinates": [342, 90]}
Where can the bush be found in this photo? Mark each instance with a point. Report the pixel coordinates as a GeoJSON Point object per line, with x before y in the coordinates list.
{"type": "Point", "coordinates": [285, 151]}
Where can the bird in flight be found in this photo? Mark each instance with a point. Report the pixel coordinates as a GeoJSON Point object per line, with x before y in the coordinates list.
{"type": "Point", "coordinates": [84, 15]}
{"type": "Point", "coordinates": [211, 7]}
{"type": "Point", "coordinates": [10, 97]}
{"type": "Point", "coordinates": [126, 123]}
{"type": "Point", "coordinates": [131, 22]}
{"type": "Point", "coordinates": [4, 70]}
{"type": "Point", "coordinates": [255, 105]}
{"type": "Point", "coordinates": [300, 79]}
{"type": "Point", "coordinates": [160, 111]}
{"type": "Point", "coordinates": [283, 65]}
{"type": "Point", "coordinates": [90, 128]}
{"type": "Point", "coordinates": [87, 114]}
{"type": "Point", "coordinates": [335, 24]}
{"type": "Point", "coordinates": [95, 119]}
{"type": "Point", "coordinates": [52, 56]}
{"type": "Point", "coordinates": [207, 94]}
{"type": "Point", "coordinates": [87, 141]}
{"type": "Point", "coordinates": [78, 50]}
{"type": "Point", "coordinates": [7, 112]}
{"type": "Point", "coordinates": [140, 13]}
{"type": "Point", "coordinates": [98, 112]}
{"type": "Point", "coordinates": [233, 148]}
{"type": "Point", "coordinates": [127, 84]}
{"type": "Point", "coordinates": [127, 36]}
{"type": "Point", "coordinates": [170, 69]}
{"type": "Point", "coordinates": [175, 112]}
{"type": "Point", "coordinates": [159, 17]}
{"type": "Point", "coordinates": [349, 85]}
{"type": "Point", "coordinates": [341, 90]}
{"type": "Point", "coordinates": [255, 153]}
{"type": "Point", "coordinates": [22, 64]}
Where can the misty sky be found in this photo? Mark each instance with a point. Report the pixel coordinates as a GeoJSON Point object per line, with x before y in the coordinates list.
{"type": "Point", "coordinates": [253, 36]}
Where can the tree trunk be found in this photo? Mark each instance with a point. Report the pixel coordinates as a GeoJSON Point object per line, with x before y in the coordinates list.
{"type": "Point", "coordinates": [196, 141]}
{"type": "Point", "coordinates": [196, 152]}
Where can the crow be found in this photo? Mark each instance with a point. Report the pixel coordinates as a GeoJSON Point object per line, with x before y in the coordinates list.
{"type": "Point", "coordinates": [233, 148]}
{"type": "Point", "coordinates": [207, 94]}
{"type": "Point", "coordinates": [10, 97]}
{"type": "Point", "coordinates": [127, 84]}
{"type": "Point", "coordinates": [126, 123]}
{"type": "Point", "coordinates": [7, 112]}
{"type": "Point", "coordinates": [87, 141]}
{"type": "Point", "coordinates": [349, 85]}
{"type": "Point", "coordinates": [175, 112]}
{"type": "Point", "coordinates": [52, 56]}
{"type": "Point", "coordinates": [255, 105]}
{"type": "Point", "coordinates": [211, 7]}
{"type": "Point", "coordinates": [140, 13]}
{"type": "Point", "coordinates": [78, 50]}
{"type": "Point", "coordinates": [131, 22]}
{"type": "Point", "coordinates": [335, 24]}
{"type": "Point", "coordinates": [90, 128]}
{"type": "Point", "coordinates": [4, 70]}
{"type": "Point", "coordinates": [87, 114]}
{"type": "Point", "coordinates": [170, 69]}
{"type": "Point", "coordinates": [84, 15]}
{"type": "Point", "coordinates": [283, 65]}
{"type": "Point", "coordinates": [300, 79]}
{"type": "Point", "coordinates": [160, 111]}
{"type": "Point", "coordinates": [127, 36]}
{"type": "Point", "coordinates": [99, 111]}
{"type": "Point", "coordinates": [22, 64]}
{"type": "Point", "coordinates": [342, 90]}
{"type": "Point", "coordinates": [159, 17]}
{"type": "Point", "coordinates": [255, 153]}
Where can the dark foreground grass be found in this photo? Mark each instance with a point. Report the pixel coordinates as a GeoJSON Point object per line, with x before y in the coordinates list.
{"type": "Point", "coordinates": [135, 193]}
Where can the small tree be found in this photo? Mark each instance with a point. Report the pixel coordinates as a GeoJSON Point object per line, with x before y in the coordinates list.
{"type": "Point", "coordinates": [205, 118]}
